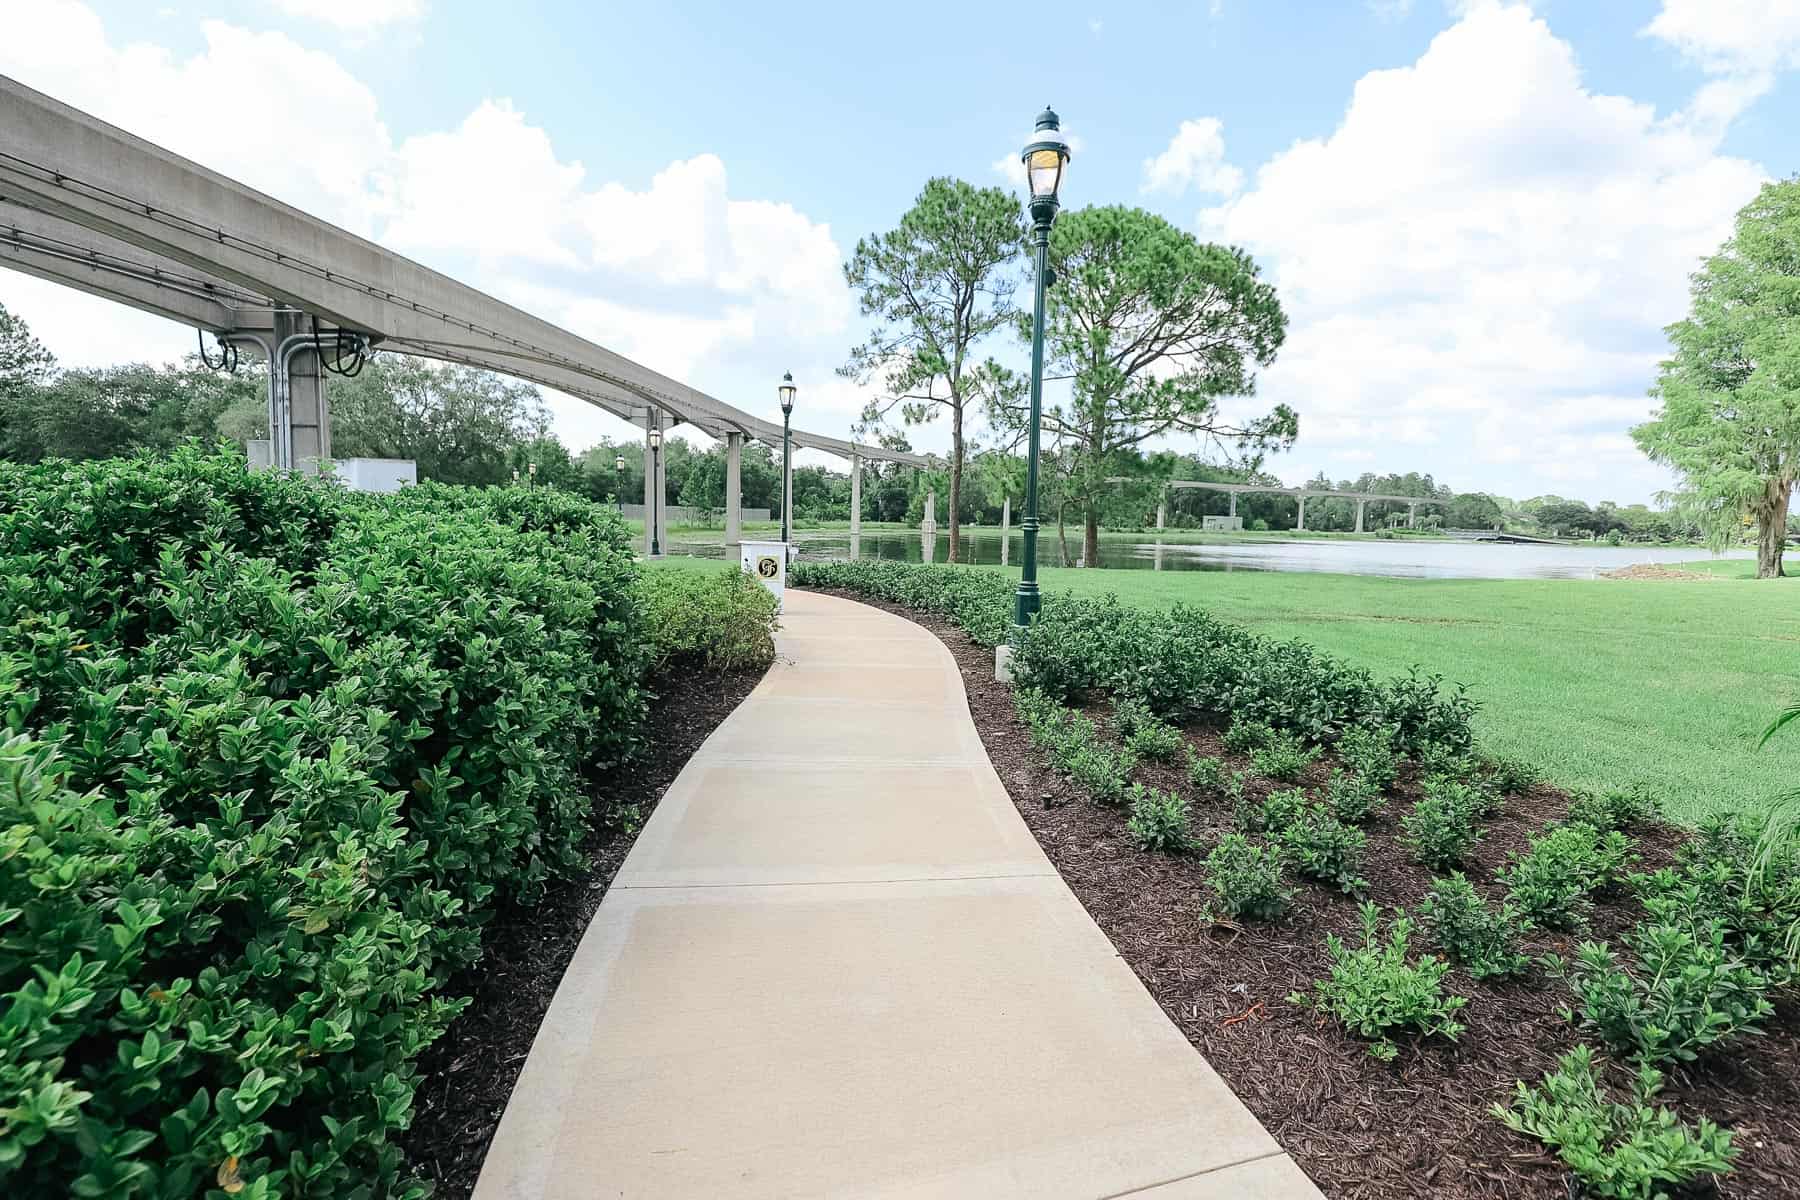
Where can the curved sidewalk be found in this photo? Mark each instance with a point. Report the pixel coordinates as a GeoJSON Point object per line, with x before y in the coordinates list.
{"type": "Point", "coordinates": [837, 964]}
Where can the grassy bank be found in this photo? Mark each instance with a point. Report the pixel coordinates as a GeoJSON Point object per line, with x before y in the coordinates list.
{"type": "Point", "coordinates": [1600, 683]}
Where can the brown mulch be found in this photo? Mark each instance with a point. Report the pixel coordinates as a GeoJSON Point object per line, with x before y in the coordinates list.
{"type": "Point", "coordinates": [1363, 1129]}
{"type": "Point", "coordinates": [467, 1075]}
{"type": "Point", "coordinates": [1655, 571]}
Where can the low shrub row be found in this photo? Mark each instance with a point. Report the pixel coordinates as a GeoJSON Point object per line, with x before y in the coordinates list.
{"type": "Point", "coordinates": [1182, 664]}
{"type": "Point", "coordinates": [270, 756]}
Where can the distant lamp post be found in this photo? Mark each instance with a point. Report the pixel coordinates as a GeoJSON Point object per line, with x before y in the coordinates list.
{"type": "Point", "coordinates": [655, 489]}
{"type": "Point", "coordinates": [1045, 157]}
{"type": "Point", "coordinates": [531, 470]}
{"type": "Point", "coordinates": [619, 483]}
{"type": "Point", "coordinates": [787, 390]}
{"type": "Point", "coordinates": [515, 476]}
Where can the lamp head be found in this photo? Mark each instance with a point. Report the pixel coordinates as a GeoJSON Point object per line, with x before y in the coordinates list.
{"type": "Point", "coordinates": [1045, 156]}
{"type": "Point", "coordinates": [786, 391]}
{"type": "Point", "coordinates": [619, 463]}
{"type": "Point", "coordinates": [655, 438]}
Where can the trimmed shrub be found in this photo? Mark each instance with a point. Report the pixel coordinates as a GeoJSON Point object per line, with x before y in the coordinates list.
{"type": "Point", "coordinates": [1206, 774]}
{"type": "Point", "coordinates": [1284, 757]}
{"type": "Point", "coordinates": [1250, 880]}
{"type": "Point", "coordinates": [1182, 663]}
{"type": "Point", "coordinates": [1104, 773]}
{"type": "Point", "coordinates": [721, 620]}
{"type": "Point", "coordinates": [1245, 736]}
{"type": "Point", "coordinates": [1684, 992]}
{"type": "Point", "coordinates": [1145, 736]}
{"type": "Point", "coordinates": [1352, 797]}
{"type": "Point", "coordinates": [1440, 827]}
{"type": "Point", "coordinates": [1629, 1150]}
{"type": "Point", "coordinates": [1159, 820]}
{"type": "Point", "coordinates": [1274, 812]}
{"type": "Point", "coordinates": [1376, 990]}
{"type": "Point", "coordinates": [271, 755]}
{"type": "Point", "coordinates": [1368, 752]}
{"type": "Point", "coordinates": [1741, 873]}
{"type": "Point", "coordinates": [1485, 942]}
{"type": "Point", "coordinates": [1553, 882]}
{"type": "Point", "coordinates": [1322, 847]}
{"type": "Point", "coordinates": [1510, 776]}
{"type": "Point", "coordinates": [1622, 809]}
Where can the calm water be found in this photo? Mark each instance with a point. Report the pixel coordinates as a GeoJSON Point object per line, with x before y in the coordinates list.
{"type": "Point", "coordinates": [1400, 559]}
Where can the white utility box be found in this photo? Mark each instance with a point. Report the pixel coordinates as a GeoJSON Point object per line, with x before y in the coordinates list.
{"type": "Point", "coordinates": [767, 561]}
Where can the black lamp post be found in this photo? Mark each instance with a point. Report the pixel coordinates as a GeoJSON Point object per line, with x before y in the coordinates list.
{"type": "Point", "coordinates": [655, 480]}
{"type": "Point", "coordinates": [619, 483]}
{"type": "Point", "coordinates": [1045, 156]}
{"type": "Point", "coordinates": [787, 455]}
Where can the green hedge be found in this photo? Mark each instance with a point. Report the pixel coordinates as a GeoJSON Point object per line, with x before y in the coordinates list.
{"type": "Point", "coordinates": [270, 755]}
{"type": "Point", "coordinates": [1182, 662]}
{"type": "Point", "coordinates": [723, 620]}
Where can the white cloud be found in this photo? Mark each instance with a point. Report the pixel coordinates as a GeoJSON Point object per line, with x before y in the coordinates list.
{"type": "Point", "coordinates": [1732, 36]}
{"type": "Point", "coordinates": [680, 274]}
{"type": "Point", "coordinates": [1480, 258]}
{"type": "Point", "coordinates": [362, 16]}
{"type": "Point", "coordinates": [1390, 10]}
{"type": "Point", "coordinates": [1195, 158]}
{"type": "Point", "coordinates": [1095, 25]}
{"type": "Point", "coordinates": [1743, 44]}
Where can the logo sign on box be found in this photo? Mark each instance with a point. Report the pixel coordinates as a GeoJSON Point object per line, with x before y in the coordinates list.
{"type": "Point", "coordinates": [767, 561]}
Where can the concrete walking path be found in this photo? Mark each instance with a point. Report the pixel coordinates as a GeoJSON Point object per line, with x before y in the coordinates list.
{"type": "Point", "coordinates": [836, 963]}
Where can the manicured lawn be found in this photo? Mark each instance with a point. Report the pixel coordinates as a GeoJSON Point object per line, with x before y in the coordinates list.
{"type": "Point", "coordinates": [1732, 568]}
{"type": "Point", "coordinates": [1603, 682]}
{"type": "Point", "coordinates": [1600, 683]}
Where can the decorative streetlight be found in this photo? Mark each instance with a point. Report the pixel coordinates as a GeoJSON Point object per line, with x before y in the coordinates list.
{"type": "Point", "coordinates": [531, 470]}
{"type": "Point", "coordinates": [655, 481]}
{"type": "Point", "coordinates": [786, 391]}
{"type": "Point", "coordinates": [1045, 157]}
{"type": "Point", "coordinates": [619, 483]}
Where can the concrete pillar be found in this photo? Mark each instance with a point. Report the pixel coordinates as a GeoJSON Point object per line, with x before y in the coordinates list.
{"type": "Point", "coordinates": [662, 492]}
{"type": "Point", "coordinates": [855, 495]}
{"type": "Point", "coordinates": [1005, 529]}
{"type": "Point", "coordinates": [734, 488]}
{"type": "Point", "coordinates": [1162, 513]}
{"type": "Point", "coordinates": [1232, 496]}
{"type": "Point", "coordinates": [930, 521]}
{"type": "Point", "coordinates": [1301, 525]}
{"type": "Point", "coordinates": [1412, 516]}
{"type": "Point", "coordinates": [300, 422]}
{"type": "Point", "coordinates": [1359, 515]}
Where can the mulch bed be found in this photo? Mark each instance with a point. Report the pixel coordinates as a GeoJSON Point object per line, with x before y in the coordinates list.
{"type": "Point", "coordinates": [468, 1074]}
{"type": "Point", "coordinates": [1363, 1129]}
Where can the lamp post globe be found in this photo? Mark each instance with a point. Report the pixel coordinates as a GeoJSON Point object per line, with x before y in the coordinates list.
{"type": "Point", "coordinates": [655, 481]}
{"type": "Point", "coordinates": [619, 482]}
{"type": "Point", "coordinates": [1046, 158]}
{"type": "Point", "coordinates": [786, 392]}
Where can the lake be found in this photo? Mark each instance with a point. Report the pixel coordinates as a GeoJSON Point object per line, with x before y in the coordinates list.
{"type": "Point", "coordinates": [1434, 559]}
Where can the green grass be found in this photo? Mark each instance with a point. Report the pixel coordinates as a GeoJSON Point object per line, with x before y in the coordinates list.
{"type": "Point", "coordinates": [1731, 568]}
{"type": "Point", "coordinates": [1600, 683]}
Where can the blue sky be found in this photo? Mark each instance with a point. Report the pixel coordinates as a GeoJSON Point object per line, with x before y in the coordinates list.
{"type": "Point", "coordinates": [1478, 214]}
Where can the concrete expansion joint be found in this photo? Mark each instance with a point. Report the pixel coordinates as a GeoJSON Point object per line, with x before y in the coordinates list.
{"type": "Point", "coordinates": [1231, 1166]}
{"type": "Point", "coordinates": [1047, 872]}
